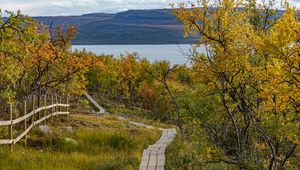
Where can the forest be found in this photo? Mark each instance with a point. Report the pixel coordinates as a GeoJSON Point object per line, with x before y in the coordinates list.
{"type": "Point", "coordinates": [237, 105]}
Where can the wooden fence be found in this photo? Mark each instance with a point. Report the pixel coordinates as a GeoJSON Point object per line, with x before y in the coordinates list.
{"type": "Point", "coordinates": [34, 110]}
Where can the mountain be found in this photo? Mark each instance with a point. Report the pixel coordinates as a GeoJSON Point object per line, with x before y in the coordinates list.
{"type": "Point", "coordinates": [130, 27]}
{"type": "Point", "coordinates": [156, 26]}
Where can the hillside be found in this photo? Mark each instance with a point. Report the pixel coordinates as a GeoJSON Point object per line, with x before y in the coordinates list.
{"type": "Point", "coordinates": [129, 27]}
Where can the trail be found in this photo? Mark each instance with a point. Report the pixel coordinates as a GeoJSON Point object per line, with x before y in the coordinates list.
{"type": "Point", "coordinates": [153, 157]}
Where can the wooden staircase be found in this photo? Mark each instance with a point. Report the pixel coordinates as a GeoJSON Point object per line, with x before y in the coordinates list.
{"type": "Point", "coordinates": [101, 109]}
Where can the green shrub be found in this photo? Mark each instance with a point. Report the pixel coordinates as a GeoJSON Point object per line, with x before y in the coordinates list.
{"type": "Point", "coordinates": [118, 109]}
{"type": "Point", "coordinates": [83, 103]}
{"type": "Point", "coordinates": [191, 155]}
{"type": "Point", "coordinates": [64, 145]}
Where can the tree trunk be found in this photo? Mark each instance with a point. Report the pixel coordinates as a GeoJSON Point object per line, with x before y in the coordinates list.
{"type": "Point", "coordinates": [179, 122]}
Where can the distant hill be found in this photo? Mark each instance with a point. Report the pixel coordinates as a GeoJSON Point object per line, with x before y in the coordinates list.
{"type": "Point", "coordinates": [129, 27]}
{"type": "Point", "coordinates": [156, 26]}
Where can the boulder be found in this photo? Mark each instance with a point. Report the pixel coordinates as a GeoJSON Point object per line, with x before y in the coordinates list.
{"type": "Point", "coordinates": [45, 129]}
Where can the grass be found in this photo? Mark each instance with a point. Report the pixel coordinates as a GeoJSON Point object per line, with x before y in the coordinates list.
{"type": "Point", "coordinates": [136, 114]}
{"type": "Point", "coordinates": [189, 156]}
{"type": "Point", "coordinates": [105, 143]}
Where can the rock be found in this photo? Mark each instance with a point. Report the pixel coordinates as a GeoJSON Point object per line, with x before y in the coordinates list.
{"type": "Point", "coordinates": [68, 129]}
{"type": "Point", "coordinates": [45, 129]}
{"type": "Point", "coordinates": [71, 141]}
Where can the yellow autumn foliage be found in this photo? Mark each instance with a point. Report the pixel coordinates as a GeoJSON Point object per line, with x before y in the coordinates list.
{"type": "Point", "coordinates": [252, 60]}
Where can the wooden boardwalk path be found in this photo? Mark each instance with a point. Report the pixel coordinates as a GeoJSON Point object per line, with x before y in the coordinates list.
{"type": "Point", "coordinates": [153, 157]}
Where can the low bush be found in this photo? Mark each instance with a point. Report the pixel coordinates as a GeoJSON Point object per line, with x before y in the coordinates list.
{"type": "Point", "coordinates": [64, 145]}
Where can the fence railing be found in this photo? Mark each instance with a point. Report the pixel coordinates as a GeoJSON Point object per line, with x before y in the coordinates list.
{"type": "Point", "coordinates": [101, 109]}
{"type": "Point", "coordinates": [35, 110]}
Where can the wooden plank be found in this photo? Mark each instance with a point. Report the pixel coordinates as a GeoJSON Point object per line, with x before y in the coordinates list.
{"type": "Point", "coordinates": [20, 119]}
{"type": "Point", "coordinates": [40, 120]}
{"type": "Point", "coordinates": [5, 123]}
{"type": "Point", "coordinates": [151, 168]}
{"type": "Point", "coordinates": [23, 134]}
{"type": "Point", "coordinates": [163, 149]}
{"type": "Point", "coordinates": [6, 141]}
{"type": "Point", "coordinates": [161, 159]}
{"type": "Point", "coordinates": [143, 168]}
{"type": "Point", "coordinates": [144, 163]}
{"type": "Point", "coordinates": [145, 160]}
{"type": "Point", "coordinates": [160, 167]}
{"type": "Point", "coordinates": [101, 109]}
{"type": "Point", "coordinates": [152, 159]}
{"type": "Point", "coordinates": [62, 113]}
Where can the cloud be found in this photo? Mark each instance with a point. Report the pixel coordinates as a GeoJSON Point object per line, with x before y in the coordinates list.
{"type": "Point", "coordinates": [295, 3]}
{"type": "Point", "coordinates": [77, 7]}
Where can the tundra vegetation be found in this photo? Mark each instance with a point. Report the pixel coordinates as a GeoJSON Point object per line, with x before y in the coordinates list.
{"type": "Point", "coordinates": [236, 105]}
{"type": "Point", "coordinates": [102, 143]}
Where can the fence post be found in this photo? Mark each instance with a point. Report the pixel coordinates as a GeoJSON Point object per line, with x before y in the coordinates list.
{"type": "Point", "coordinates": [53, 108]}
{"type": "Point", "coordinates": [60, 108]}
{"type": "Point", "coordinates": [67, 107]}
{"type": "Point", "coordinates": [61, 116]}
{"type": "Point", "coordinates": [11, 126]}
{"type": "Point", "coordinates": [25, 122]}
{"type": "Point", "coordinates": [33, 109]}
{"type": "Point", "coordinates": [56, 107]}
{"type": "Point", "coordinates": [45, 104]}
{"type": "Point", "coordinates": [39, 105]}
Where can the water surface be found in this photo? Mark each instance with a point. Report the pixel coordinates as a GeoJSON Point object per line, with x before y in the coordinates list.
{"type": "Point", "coordinates": [175, 54]}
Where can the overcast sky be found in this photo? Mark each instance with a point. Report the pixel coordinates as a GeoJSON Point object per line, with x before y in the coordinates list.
{"type": "Point", "coordinates": [77, 7]}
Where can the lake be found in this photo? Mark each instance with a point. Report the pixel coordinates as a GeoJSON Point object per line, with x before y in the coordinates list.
{"type": "Point", "coordinates": [175, 54]}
